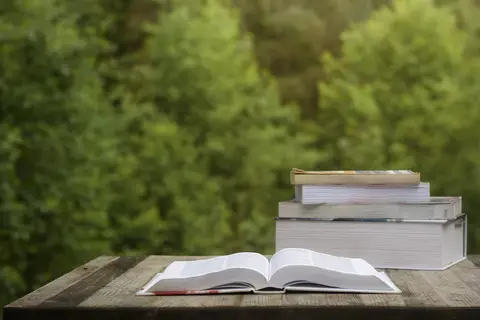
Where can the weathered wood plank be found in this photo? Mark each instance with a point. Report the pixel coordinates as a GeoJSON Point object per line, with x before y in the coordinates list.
{"type": "Point", "coordinates": [121, 291]}
{"type": "Point", "coordinates": [263, 299]}
{"type": "Point", "coordinates": [72, 296]}
{"type": "Point", "coordinates": [468, 272]}
{"type": "Point", "coordinates": [416, 291]}
{"type": "Point", "coordinates": [335, 299]}
{"type": "Point", "coordinates": [301, 299]}
{"type": "Point", "coordinates": [382, 300]}
{"type": "Point", "coordinates": [107, 292]}
{"type": "Point", "coordinates": [450, 287]}
{"type": "Point", "coordinates": [53, 288]}
{"type": "Point", "coordinates": [475, 260]}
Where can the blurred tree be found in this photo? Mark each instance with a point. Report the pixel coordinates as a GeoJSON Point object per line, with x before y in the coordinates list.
{"type": "Point", "coordinates": [230, 139]}
{"type": "Point", "coordinates": [58, 148]}
{"type": "Point", "coordinates": [467, 12]}
{"type": "Point", "coordinates": [403, 95]}
{"type": "Point", "coordinates": [291, 35]}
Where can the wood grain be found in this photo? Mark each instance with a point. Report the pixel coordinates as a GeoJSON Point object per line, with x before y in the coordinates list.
{"type": "Point", "coordinates": [105, 289]}
{"type": "Point", "coordinates": [301, 299]}
{"type": "Point", "coordinates": [469, 273]}
{"type": "Point", "coordinates": [81, 290]}
{"type": "Point", "coordinates": [64, 282]}
{"type": "Point", "coordinates": [416, 291]}
{"type": "Point", "coordinates": [475, 260]}
{"type": "Point", "coordinates": [450, 286]}
{"type": "Point", "coordinates": [121, 291]}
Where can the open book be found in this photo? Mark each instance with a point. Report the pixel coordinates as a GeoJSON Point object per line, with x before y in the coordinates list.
{"type": "Point", "coordinates": [288, 270]}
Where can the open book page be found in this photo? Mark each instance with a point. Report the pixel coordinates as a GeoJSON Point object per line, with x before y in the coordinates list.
{"type": "Point", "coordinates": [295, 257]}
{"type": "Point", "coordinates": [245, 269]}
{"type": "Point", "coordinates": [247, 260]}
{"type": "Point", "coordinates": [301, 267]}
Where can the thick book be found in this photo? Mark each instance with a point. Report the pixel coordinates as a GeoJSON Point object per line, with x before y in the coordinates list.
{"type": "Point", "coordinates": [436, 208]}
{"type": "Point", "coordinates": [290, 269]}
{"type": "Point", "coordinates": [384, 243]}
{"type": "Point", "coordinates": [314, 194]}
{"type": "Point", "coordinates": [354, 177]}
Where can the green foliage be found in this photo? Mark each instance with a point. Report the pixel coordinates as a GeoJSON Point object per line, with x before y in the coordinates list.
{"type": "Point", "coordinates": [58, 147]}
{"type": "Point", "coordinates": [467, 13]}
{"type": "Point", "coordinates": [123, 137]}
{"type": "Point", "coordinates": [403, 95]}
{"type": "Point", "coordinates": [291, 35]}
{"type": "Point", "coordinates": [133, 213]}
{"type": "Point", "coordinates": [230, 134]}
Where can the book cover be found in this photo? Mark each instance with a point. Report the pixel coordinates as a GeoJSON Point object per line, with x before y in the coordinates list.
{"type": "Point", "coordinates": [299, 176]}
{"type": "Point", "coordinates": [352, 172]}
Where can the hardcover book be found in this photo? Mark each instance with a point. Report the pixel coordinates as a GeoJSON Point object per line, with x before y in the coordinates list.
{"type": "Point", "coordinates": [436, 208]}
{"type": "Point", "coordinates": [354, 177]}
{"type": "Point", "coordinates": [385, 243]}
{"type": "Point", "coordinates": [314, 194]}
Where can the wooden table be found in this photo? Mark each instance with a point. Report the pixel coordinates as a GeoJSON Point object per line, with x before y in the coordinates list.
{"type": "Point", "coordinates": [104, 289]}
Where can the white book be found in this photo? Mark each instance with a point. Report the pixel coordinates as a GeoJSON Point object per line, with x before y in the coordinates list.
{"type": "Point", "coordinates": [436, 208]}
{"type": "Point", "coordinates": [384, 243]}
{"type": "Point", "coordinates": [311, 194]}
{"type": "Point", "coordinates": [290, 269]}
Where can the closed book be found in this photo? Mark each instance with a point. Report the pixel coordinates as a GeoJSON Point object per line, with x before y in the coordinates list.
{"type": "Point", "coordinates": [313, 194]}
{"type": "Point", "coordinates": [384, 243]}
{"type": "Point", "coordinates": [354, 177]}
{"type": "Point", "coordinates": [436, 208]}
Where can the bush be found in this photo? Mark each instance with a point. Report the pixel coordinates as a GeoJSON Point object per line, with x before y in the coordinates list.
{"type": "Point", "coordinates": [403, 95]}
{"type": "Point", "coordinates": [214, 158]}
{"type": "Point", "coordinates": [58, 148]}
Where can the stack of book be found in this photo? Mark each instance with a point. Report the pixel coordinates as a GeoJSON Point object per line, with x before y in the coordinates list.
{"type": "Point", "coordinates": [387, 218]}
